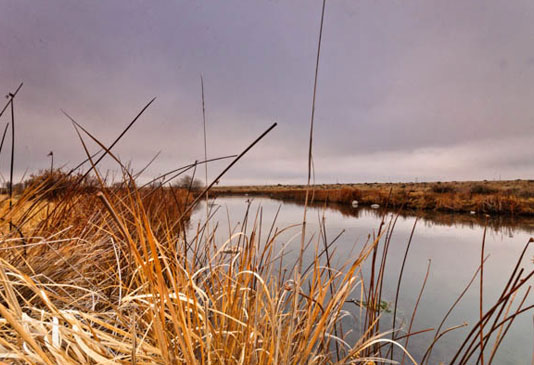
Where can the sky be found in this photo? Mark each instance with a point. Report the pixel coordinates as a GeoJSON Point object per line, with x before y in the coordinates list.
{"type": "Point", "coordinates": [408, 90]}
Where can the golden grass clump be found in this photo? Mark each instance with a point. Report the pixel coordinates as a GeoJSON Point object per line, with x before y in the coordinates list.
{"type": "Point", "coordinates": [113, 277]}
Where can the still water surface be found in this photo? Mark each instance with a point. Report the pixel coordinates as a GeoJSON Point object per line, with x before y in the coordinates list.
{"type": "Point", "coordinates": [452, 243]}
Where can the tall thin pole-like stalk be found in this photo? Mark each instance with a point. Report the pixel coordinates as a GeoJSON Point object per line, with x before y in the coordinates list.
{"type": "Point", "coordinates": [415, 309]}
{"type": "Point", "coordinates": [10, 103]}
{"type": "Point", "coordinates": [51, 154]}
{"type": "Point", "coordinates": [481, 308]}
{"type": "Point", "coordinates": [204, 128]}
{"type": "Point", "coordinates": [12, 154]}
{"type": "Point", "coordinates": [310, 146]}
{"type": "Point", "coordinates": [399, 283]}
{"type": "Point", "coordinates": [11, 97]}
{"type": "Point", "coordinates": [3, 137]}
{"type": "Point", "coordinates": [205, 168]}
{"type": "Point", "coordinates": [298, 271]}
{"type": "Point", "coordinates": [205, 153]}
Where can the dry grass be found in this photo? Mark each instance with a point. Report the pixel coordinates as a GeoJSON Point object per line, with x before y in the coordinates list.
{"type": "Point", "coordinates": [110, 277]}
{"type": "Point", "coordinates": [489, 197]}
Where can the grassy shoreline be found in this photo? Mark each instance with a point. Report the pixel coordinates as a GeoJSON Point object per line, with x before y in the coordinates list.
{"type": "Point", "coordinates": [510, 197]}
{"type": "Point", "coordinates": [110, 276]}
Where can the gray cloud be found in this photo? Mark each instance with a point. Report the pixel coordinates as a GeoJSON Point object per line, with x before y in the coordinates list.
{"type": "Point", "coordinates": [407, 89]}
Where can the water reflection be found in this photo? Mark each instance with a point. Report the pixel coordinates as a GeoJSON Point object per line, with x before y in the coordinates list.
{"type": "Point", "coordinates": [507, 225]}
{"type": "Point", "coordinates": [451, 241]}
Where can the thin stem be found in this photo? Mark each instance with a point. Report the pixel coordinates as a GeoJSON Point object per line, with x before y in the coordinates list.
{"type": "Point", "coordinates": [12, 159]}
{"type": "Point", "coordinates": [415, 308]}
{"type": "Point", "coordinates": [3, 137]}
{"type": "Point", "coordinates": [482, 295]}
{"type": "Point", "coordinates": [310, 145]}
{"type": "Point", "coordinates": [399, 282]}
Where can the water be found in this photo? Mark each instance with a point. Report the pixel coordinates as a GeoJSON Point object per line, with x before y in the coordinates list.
{"type": "Point", "coordinates": [452, 243]}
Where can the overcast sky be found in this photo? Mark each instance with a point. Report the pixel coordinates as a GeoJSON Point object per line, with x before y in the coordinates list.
{"type": "Point", "coordinates": [408, 90]}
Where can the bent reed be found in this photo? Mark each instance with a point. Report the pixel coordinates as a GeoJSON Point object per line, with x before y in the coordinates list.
{"type": "Point", "coordinates": [93, 274]}
{"type": "Point", "coordinates": [112, 277]}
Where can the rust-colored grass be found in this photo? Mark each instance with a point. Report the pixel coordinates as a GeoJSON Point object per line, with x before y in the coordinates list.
{"type": "Point", "coordinates": [101, 275]}
{"type": "Point", "coordinates": [110, 277]}
{"type": "Point", "coordinates": [489, 197]}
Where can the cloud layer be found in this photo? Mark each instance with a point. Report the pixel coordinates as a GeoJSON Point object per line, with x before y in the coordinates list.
{"type": "Point", "coordinates": [427, 90]}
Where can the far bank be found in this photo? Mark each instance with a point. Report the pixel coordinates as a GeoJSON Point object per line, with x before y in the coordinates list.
{"type": "Point", "coordinates": [510, 197]}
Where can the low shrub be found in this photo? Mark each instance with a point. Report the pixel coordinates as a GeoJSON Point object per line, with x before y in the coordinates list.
{"type": "Point", "coordinates": [482, 189]}
{"type": "Point", "coordinates": [439, 188]}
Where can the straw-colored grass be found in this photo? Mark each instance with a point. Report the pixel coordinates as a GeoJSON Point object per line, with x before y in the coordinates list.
{"type": "Point", "coordinates": [112, 278]}
{"type": "Point", "coordinates": [100, 275]}
{"type": "Point", "coordinates": [490, 197]}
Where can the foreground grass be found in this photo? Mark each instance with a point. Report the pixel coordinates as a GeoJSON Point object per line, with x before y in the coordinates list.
{"type": "Point", "coordinates": [111, 277]}
{"type": "Point", "coordinates": [488, 197]}
{"type": "Point", "coordinates": [106, 275]}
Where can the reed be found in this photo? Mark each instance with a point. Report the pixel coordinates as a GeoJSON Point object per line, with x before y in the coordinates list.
{"type": "Point", "coordinates": [106, 281]}
{"type": "Point", "coordinates": [494, 197]}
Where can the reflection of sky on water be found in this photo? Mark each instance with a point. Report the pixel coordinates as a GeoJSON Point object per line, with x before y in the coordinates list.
{"type": "Point", "coordinates": [505, 224]}
{"type": "Point", "coordinates": [454, 248]}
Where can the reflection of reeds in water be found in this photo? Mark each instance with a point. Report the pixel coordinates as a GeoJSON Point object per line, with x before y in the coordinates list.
{"type": "Point", "coordinates": [504, 224]}
{"type": "Point", "coordinates": [514, 198]}
{"type": "Point", "coordinates": [106, 281]}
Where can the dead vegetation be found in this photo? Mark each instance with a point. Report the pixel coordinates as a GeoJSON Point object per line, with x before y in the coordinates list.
{"type": "Point", "coordinates": [114, 279]}
{"type": "Point", "coordinates": [99, 274]}
{"type": "Point", "coordinates": [485, 197]}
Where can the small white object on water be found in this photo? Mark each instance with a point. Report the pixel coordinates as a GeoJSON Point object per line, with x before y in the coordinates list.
{"type": "Point", "coordinates": [472, 212]}
{"type": "Point", "coordinates": [354, 203]}
{"type": "Point", "coordinates": [375, 206]}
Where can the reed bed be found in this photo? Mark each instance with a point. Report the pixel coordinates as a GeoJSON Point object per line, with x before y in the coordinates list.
{"type": "Point", "coordinates": [111, 276]}
{"type": "Point", "coordinates": [492, 197]}
{"type": "Point", "coordinates": [101, 275]}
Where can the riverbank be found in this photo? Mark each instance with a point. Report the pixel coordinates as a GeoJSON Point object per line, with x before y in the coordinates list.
{"type": "Point", "coordinates": [511, 197]}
